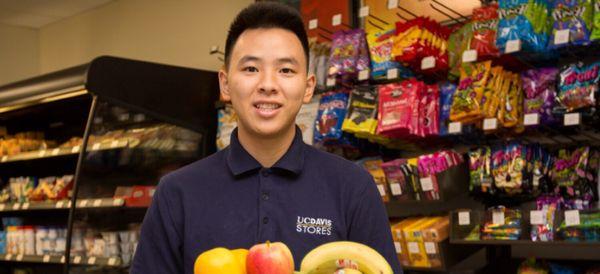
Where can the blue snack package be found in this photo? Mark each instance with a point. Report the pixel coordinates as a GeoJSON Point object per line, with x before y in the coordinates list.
{"type": "Point", "coordinates": [446, 95]}
{"type": "Point", "coordinates": [330, 117]}
{"type": "Point", "coordinates": [523, 20]}
{"type": "Point", "coordinates": [575, 16]}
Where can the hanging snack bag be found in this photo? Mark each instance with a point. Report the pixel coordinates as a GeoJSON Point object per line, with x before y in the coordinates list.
{"type": "Point", "coordinates": [466, 103]}
{"type": "Point", "coordinates": [361, 115]}
{"type": "Point", "coordinates": [485, 24]}
{"type": "Point", "coordinates": [539, 87]}
{"type": "Point", "coordinates": [576, 16]}
{"type": "Point", "coordinates": [380, 47]}
{"type": "Point", "coordinates": [396, 101]}
{"type": "Point", "coordinates": [428, 111]}
{"type": "Point", "coordinates": [446, 95]}
{"type": "Point", "coordinates": [596, 28]}
{"type": "Point", "coordinates": [577, 86]}
{"type": "Point", "coordinates": [332, 110]}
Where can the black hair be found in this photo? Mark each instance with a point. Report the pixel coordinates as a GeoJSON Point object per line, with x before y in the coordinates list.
{"type": "Point", "coordinates": [266, 15]}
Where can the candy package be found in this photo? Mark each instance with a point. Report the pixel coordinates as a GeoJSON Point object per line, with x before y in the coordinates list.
{"type": "Point", "coordinates": [420, 38]}
{"type": "Point", "coordinates": [539, 86]}
{"type": "Point", "coordinates": [447, 90]}
{"type": "Point", "coordinates": [380, 47]}
{"type": "Point", "coordinates": [508, 165]}
{"type": "Point", "coordinates": [401, 190]}
{"type": "Point", "coordinates": [577, 86]}
{"type": "Point", "coordinates": [466, 102]}
{"type": "Point", "coordinates": [330, 117]}
{"type": "Point", "coordinates": [501, 223]}
{"type": "Point", "coordinates": [548, 205]}
{"type": "Point", "coordinates": [490, 101]}
{"type": "Point", "coordinates": [349, 53]}
{"type": "Point", "coordinates": [481, 180]}
{"type": "Point", "coordinates": [576, 16]}
{"type": "Point", "coordinates": [523, 20]}
{"type": "Point", "coordinates": [374, 167]}
{"type": "Point", "coordinates": [485, 24]}
{"type": "Point", "coordinates": [396, 103]}
{"type": "Point", "coordinates": [587, 230]}
{"type": "Point", "coordinates": [428, 111]}
{"type": "Point", "coordinates": [511, 100]}
{"type": "Point", "coordinates": [458, 42]}
{"type": "Point", "coordinates": [362, 110]}
{"type": "Point", "coordinates": [596, 23]}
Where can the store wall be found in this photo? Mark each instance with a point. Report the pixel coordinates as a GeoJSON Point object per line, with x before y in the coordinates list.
{"type": "Point", "coordinates": [19, 55]}
{"type": "Point", "coordinates": [167, 31]}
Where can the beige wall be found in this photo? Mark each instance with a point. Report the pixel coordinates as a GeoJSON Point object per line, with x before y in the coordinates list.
{"type": "Point", "coordinates": [19, 55]}
{"type": "Point", "coordinates": [178, 32]}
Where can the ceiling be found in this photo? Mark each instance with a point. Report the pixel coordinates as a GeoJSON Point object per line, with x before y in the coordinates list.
{"type": "Point", "coordinates": [38, 13]}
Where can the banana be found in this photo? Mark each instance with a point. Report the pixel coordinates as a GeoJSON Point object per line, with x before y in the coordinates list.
{"type": "Point", "coordinates": [347, 271]}
{"type": "Point", "coordinates": [330, 257]}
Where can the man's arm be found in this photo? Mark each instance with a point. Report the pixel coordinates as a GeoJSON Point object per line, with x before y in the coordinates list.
{"type": "Point", "coordinates": [370, 225]}
{"type": "Point", "coordinates": [160, 247]}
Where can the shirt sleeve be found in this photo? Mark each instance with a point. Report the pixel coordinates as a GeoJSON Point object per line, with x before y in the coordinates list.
{"type": "Point", "coordinates": [370, 225]}
{"type": "Point", "coordinates": [159, 250]}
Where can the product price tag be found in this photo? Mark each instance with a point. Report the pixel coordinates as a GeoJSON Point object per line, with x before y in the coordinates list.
{"type": "Point", "coordinates": [381, 190]}
{"type": "Point", "coordinates": [91, 260]}
{"type": "Point", "coordinates": [139, 117]}
{"type": "Point", "coordinates": [112, 261]}
{"type": "Point", "coordinates": [572, 217]}
{"type": "Point", "coordinates": [330, 82]}
{"type": "Point", "coordinates": [392, 4]}
{"type": "Point", "coordinates": [426, 184]}
{"type": "Point", "coordinates": [2, 206]}
{"type": "Point", "coordinates": [513, 46]}
{"type": "Point", "coordinates": [124, 117]}
{"type": "Point", "coordinates": [16, 206]}
{"type": "Point", "coordinates": [97, 203]}
{"type": "Point", "coordinates": [42, 153]}
{"type": "Point", "coordinates": [62, 259]}
{"type": "Point", "coordinates": [4, 158]}
{"type": "Point", "coordinates": [392, 74]}
{"type": "Point", "coordinates": [572, 119]}
{"type": "Point", "coordinates": [118, 202]}
{"type": "Point", "coordinates": [77, 260]}
{"type": "Point", "coordinates": [413, 247]}
{"type": "Point", "coordinates": [55, 151]}
{"type": "Point", "coordinates": [469, 56]}
{"type": "Point", "coordinates": [312, 24]}
{"type": "Point", "coordinates": [428, 63]}
{"type": "Point", "coordinates": [83, 203]}
{"type": "Point", "coordinates": [25, 206]}
{"type": "Point", "coordinates": [455, 128]}
{"type": "Point", "coordinates": [69, 204]}
{"type": "Point", "coordinates": [46, 259]}
{"type": "Point", "coordinates": [19, 258]}
{"type": "Point", "coordinates": [398, 247]}
{"type": "Point", "coordinates": [363, 75]}
{"type": "Point", "coordinates": [336, 20]}
{"type": "Point", "coordinates": [430, 248]}
{"type": "Point", "coordinates": [59, 204]}
{"type": "Point", "coordinates": [75, 149]}
{"type": "Point", "coordinates": [396, 190]}
{"type": "Point", "coordinates": [96, 146]}
{"type": "Point", "coordinates": [498, 217]}
{"type": "Point", "coordinates": [531, 119]}
{"type": "Point", "coordinates": [536, 217]}
{"type": "Point", "coordinates": [561, 37]}
{"type": "Point", "coordinates": [490, 124]}
{"type": "Point", "coordinates": [8, 257]}
{"type": "Point", "coordinates": [363, 12]}
{"type": "Point", "coordinates": [464, 218]}
{"type": "Point", "coordinates": [114, 144]}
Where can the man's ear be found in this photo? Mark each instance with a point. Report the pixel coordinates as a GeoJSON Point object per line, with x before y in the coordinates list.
{"type": "Point", "coordinates": [311, 82]}
{"type": "Point", "coordinates": [224, 85]}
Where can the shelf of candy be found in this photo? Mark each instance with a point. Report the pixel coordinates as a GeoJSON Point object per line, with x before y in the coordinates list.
{"type": "Point", "coordinates": [38, 244]}
{"type": "Point", "coordinates": [418, 241]}
{"type": "Point", "coordinates": [32, 193]}
{"type": "Point", "coordinates": [105, 248]}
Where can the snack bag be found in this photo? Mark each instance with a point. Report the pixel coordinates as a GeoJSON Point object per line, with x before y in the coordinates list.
{"type": "Point", "coordinates": [396, 102]}
{"type": "Point", "coordinates": [596, 28]}
{"type": "Point", "coordinates": [428, 111]}
{"type": "Point", "coordinates": [361, 115]}
{"type": "Point", "coordinates": [485, 24]}
{"type": "Point", "coordinates": [490, 100]}
{"type": "Point", "coordinates": [577, 86]}
{"type": "Point", "coordinates": [458, 42]}
{"type": "Point", "coordinates": [539, 87]}
{"type": "Point", "coordinates": [522, 20]}
{"type": "Point", "coordinates": [380, 47]}
{"type": "Point", "coordinates": [575, 16]}
{"type": "Point", "coordinates": [400, 188]}
{"type": "Point", "coordinates": [330, 117]}
{"type": "Point", "coordinates": [374, 168]}
{"type": "Point", "coordinates": [446, 95]}
{"type": "Point", "coordinates": [480, 170]}
{"type": "Point", "coordinates": [339, 53]}
{"type": "Point", "coordinates": [466, 103]}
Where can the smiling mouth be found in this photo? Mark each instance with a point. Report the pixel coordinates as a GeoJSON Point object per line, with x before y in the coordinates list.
{"type": "Point", "coordinates": [267, 106]}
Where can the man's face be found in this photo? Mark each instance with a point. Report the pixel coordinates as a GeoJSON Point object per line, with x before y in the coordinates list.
{"type": "Point", "coordinates": [266, 81]}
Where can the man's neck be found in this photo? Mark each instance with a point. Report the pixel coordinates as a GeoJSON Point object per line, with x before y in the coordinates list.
{"type": "Point", "coordinates": [267, 151]}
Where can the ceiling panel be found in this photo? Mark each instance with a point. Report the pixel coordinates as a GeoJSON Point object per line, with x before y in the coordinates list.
{"type": "Point", "coordinates": [38, 13]}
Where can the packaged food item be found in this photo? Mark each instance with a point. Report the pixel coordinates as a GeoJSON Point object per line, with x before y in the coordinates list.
{"type": "Point", "coordinates": [458, 42]}
{"type": "Point", "coordinates": [596, 23]}
{"type": "Point", "coordinates": [447, 90]}
{"type": "Point", "coordinates": [415, 244]}
{"type": "Point", "coordinates": [361, 115]}
{"type": "Point", "coordinates": [548, 205]}
{"type": "Point", "coordinates": [349, 53]}
{"type": "Point", "coordinates": [305, 119]}
{"type": "Point", "coordinates": [502, 223]}
{"type": "Point", "coordinates": [374, 167]}
{"type": "Point", "coordinates": [539, 87]}
{"type": "Point", "coordinates": [490, 100]}
{"type": "Point", "coordinates": [530, 266]}
{"type": "Point", "coordinates": [523, 20]}
{"type": "Point", "coordinates": [400, 241]}
{"type": "Point", "coordinates": [508, 165]}
{"type": "Point", "coordinates": [396, 103]}
{"type": "Point", "coordinates": [330, 117]}
{"type": "Point", "coordinates": [511, 102]}
{"type": "Point", "coordinates": [429, 111]}
{"type": "Point", "coordinates": [485, 24]}
{"type": "Point", "coordinates": [397, 181]}
{"type": "Point", "coordinates": [466, 102]}
{"type": "Point", "coordinates": [432, 235]}
{"type": "Point", "coordinates": [480, 169]}
{"type": "Point", "coordinates": [587, 230]}
{"type": "Point", "coordinates": [421, 38]}
{"type": "Point", "coordinates": [380, 47]}
{"type": "Point", "coordinates": [577, 86]}
{"type": "Point", "coordinates": [576, 16]}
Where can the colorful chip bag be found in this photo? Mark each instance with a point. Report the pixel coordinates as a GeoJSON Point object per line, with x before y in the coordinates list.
{"type": "Point", "coordinates": [575, 16]}
{"type": "Point", "coordinates": [539, 87]}
{"type": "Point", "coordinates": [577, 86]}
{"type": "Point", "coordinates": [332, 110]}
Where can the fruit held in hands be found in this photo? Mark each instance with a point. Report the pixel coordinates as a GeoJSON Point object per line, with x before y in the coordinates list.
{"type": "Point", "coordinates": [270, 258]}
{"type": "Point", "coordinates": [240, 255]}
{"type": "Point", "coordinates": [347, 271]}
{"type": "Point", "coordinates": [329, 257]}
{"type": "Point", "coordinates": [218, 260]}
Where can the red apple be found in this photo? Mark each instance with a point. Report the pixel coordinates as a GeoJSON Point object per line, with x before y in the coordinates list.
{"type": "Point", "coordinates": [270, 258]}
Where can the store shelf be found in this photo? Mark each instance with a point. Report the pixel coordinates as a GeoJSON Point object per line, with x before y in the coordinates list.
{"type": "Point", "coordinates": [48, 153]}
{"type": "Point", "coordinates": [44, 259]}
{"type": "Point", "coordinates": [524, 242]}
{"type": "Point", "coordinates": [560, 250]}
{"type": "Point", "coordinates": [63, 205]}
{"type": "Point", "coordinates": [424, 269]}
{"type": "Point", "coordinates": [96, 261]}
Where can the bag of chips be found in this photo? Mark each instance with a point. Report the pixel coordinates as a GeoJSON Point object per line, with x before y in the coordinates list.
{"type": "Point", "coordinates": [332, 110]}
{"type": "Point", "coordinates": [485, 24]}
{"type": "Point", "coordinates": [539, 87]}
{"type": "Point", "coordinates": [575, 16]}
{"type": "Point", "coordinates": [380, 47]}
{"type": "Point", "coordinates": [466, 103]}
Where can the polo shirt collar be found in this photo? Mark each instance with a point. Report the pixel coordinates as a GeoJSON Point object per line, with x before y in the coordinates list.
{"type": "Point", "coordinates": [240, 161]}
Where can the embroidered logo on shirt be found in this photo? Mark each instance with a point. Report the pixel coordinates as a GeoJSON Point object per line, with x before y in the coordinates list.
{"type": "Point", "coordinates": [315, 226]}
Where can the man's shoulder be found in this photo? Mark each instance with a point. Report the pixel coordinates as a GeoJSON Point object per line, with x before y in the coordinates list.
{"type": "Point", "coordinates": [200, 170]}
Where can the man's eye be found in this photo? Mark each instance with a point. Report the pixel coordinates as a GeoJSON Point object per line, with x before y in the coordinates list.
{"type": "Point", "coordinates": [287, 71]}
{"type": "Point", "coordinates": [250, 69]}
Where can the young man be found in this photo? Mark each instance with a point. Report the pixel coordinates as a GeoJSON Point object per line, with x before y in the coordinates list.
{"type": "Point", "coordinates": [267, 185]}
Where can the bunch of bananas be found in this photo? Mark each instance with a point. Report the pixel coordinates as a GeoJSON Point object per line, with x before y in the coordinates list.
{"type": "Point", "coordinates": [344, 258]}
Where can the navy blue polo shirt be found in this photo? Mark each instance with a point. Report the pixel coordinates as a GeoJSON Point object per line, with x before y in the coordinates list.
{"type": "Point", "coordinates": [309, 197]}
